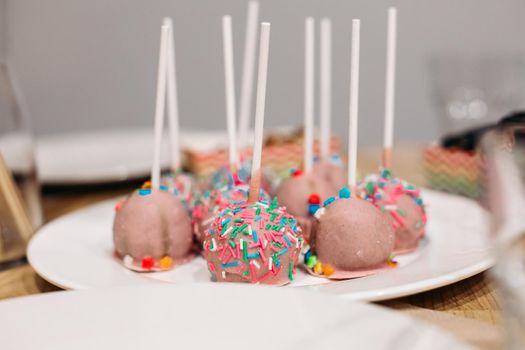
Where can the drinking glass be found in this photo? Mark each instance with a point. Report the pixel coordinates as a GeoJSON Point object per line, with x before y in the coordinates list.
{"type": "Point", "coordinates": [17, 151]}
{"type": "Point", "coordinates": [505, 164]}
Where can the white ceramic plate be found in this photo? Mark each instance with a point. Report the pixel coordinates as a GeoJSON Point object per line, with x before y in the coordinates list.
{"type": "Point", "coordinates": [75, 252]}
{"type": "Point", "coordinates": [208, 317]}
{"type": "Point", "coordinates": [102, 156]}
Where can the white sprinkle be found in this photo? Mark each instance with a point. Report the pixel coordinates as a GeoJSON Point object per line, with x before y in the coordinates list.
{"type": "Point", "coordinates": [270, 263]}
{"type": "Point", "coordinates": [319, 213]}
{"type": "Point", "coordinates": [228, 230]}
{"type": "Point", "coordinates": [128, 260]}
{"type": "Point", "coordinates": [250, 230]}
{"type": "Point", "coordinates": [208, 220]}
{"type": "Point", "coordinates": [223, 275]}
{"type": "Point", "coordinates": [256, 264]}
{"type": "Point", "coordinates": [240, 242]}
{"type": "Point", "coordinates": [390, 207]}
{"type": "Point", "coordinates": [214, 245]}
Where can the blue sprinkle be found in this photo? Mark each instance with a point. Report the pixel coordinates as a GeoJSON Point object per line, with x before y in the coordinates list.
{"type": "Point", "coordinates": [255, 238]}
{"type": "Point", "coordinates": [144, 192]}
{"type": "Point", "coordinates": [419, 201]}
{"type": "Point", "coordinates": [253, 256]}
{"type": "Point", "coordinates": [232, 264]}
{"type": "Point", "coordinates": [312, 208]}
{"type": "Point", "coordinates": [345, 192]}
{"type": "Point", "coordinates": [307, 255]}
{"type": "Point", "coordinates": [328, 201]}
{"type": "Point", "coordinates": [282, 252]}
{"type": "Point", "coordinates": [287, 241]}
{"type": "Point", "coordinates": [211, 231]}
{"type": "Point", "coordinates": [277, 263]}
{"type": "Point", "coordinates": [163, 187]}
{"type": "Point", "coordinates": [226, 222]}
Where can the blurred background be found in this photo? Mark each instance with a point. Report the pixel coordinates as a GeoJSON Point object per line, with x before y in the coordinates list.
{"type": "Point", "coordinates": [91, 65]}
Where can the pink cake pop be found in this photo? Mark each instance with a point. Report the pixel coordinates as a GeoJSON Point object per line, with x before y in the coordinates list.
{"type": "Point", "coordinates": [152, 230]}
{"type": "Point", "coordinates": [254, 242]}
{"type": "Point", "coordinates": [404, 205]}
{"type": "Point", "coordinates": [351, 239]}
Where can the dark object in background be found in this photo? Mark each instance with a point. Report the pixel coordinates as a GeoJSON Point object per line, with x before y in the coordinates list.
{"type": "Point", "coordinates": [470, 139]}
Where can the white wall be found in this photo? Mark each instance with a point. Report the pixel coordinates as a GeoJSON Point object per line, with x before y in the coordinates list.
{"type": "Point", "coordinates": [92, 64]}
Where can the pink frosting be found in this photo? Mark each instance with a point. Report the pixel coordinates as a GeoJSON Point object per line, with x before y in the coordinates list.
{"type": "Point", "coordinates": [154, 225]}
{"type": "Point", "coordinates": [353, 237]}
{"type": "Point", "coordinates": [253, 243]}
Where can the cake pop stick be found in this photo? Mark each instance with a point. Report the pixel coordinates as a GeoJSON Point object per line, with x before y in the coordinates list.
{"type": "Point", "coordinates": [173, 103]}
{"type": "Point", "coordinates": [326, 88]}
{"type": "Point", "coordinates": [309, 44]}
{"type": "Point", "coordinates": [264, 48]}
{"type": "Point", "coordinates": [229, 81]}
{"type": "Point", "coordinates": [250, 41]}
{"type": "Point", "coordinates": [159, 107]}
{"type": "Point", "coordinates": [390, 87]}
{"type": "Point", "coordinates": [354, 100]}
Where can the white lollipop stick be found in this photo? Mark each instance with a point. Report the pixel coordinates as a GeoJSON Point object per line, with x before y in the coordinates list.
{"type": "Point", "coordinates": [390, 87]}
{"type": "Point", "coordinates": [264, 48]}
{"type": "Point", "coordinates": [229, 80]}
{"type": "Point", "coordinates": [309, 93]}
{"type": "Point", "coordinates": [326, 86]}
{"type": "Point", "coordinates": [173, 103]}
{"type": "Point", "coordinates": [354, 107]}
{"type": "Point", "coordinates": [252, 18]}
{"type": "Point", "coordinates": [159, 107]}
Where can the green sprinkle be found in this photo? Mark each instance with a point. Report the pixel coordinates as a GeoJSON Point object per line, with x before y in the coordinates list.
{"type": "Point", "coordinates": [401, 212]}
{"type": "Point", "coordinates": [258, 211]}
{"type": "Point", "coordinates": [232, 243]}
{"type": "Point", "coordinates": [418, 225]}
{"type": "Point", "coordinates": [245, 251]}
{"type": "Point", "coordinates": [274, 204]}
{"type": "Point", "coordinates": [235, 232]}
{"type": "Point", "coordinates": [278, 245]}
{"type": "Point", "coordinates": [268, 226]}
{"type": "Point", "coordinates": [370, 187]}
{"type": "Point", "coordinates": [290, 271]}
{"type": "Point", "coordinates": [312, 260]}
{"type": "Point", "coordinates": [246, 273]}
{"type": "Point", "coordinates": [238, 220]}
{"type": "Point", "coordinates": [224, 228]}
{"type": "Point", "coordinates": [244, 229]}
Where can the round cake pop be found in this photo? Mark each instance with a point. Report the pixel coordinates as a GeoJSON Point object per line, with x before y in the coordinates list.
{"type": "Point", "coordinates": [152, 231]}
{"type": "Point", "coordinates": [404, 205]}
{"type": "Point", "coordinates": [253, 243]}
{"type": "Point", "coordinates": [183, 187]}
{"type": "Point", "coordinates": [352, 238]}
{"type": "Point", "coordinates": [213, 202]}
{"type": "Point", "coordinates": [223, 177]}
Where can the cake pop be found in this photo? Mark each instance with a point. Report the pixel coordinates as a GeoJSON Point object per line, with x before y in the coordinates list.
{"type": "Point", "coordinates": [404, 205]}
{"type": "Point", "coordinates": [351, 237]}
{"type": "Point", "coordinates": [254, 242]}
{"type": "Point", "coordinates": [152, 230]}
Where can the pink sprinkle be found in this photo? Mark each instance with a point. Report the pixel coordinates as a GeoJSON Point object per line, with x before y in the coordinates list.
{"type": "Point", "coordinates": [254, 273]}
{"type": "Point", "coordinates": [211, 267]}
{"type": "Point", "coordinates": [263, 257]}
{"type": "Point", "coordinates": [397, 217]}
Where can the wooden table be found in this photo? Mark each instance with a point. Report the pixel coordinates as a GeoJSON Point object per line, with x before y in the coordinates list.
{"type": "Point", "coordinates": [468, 308]}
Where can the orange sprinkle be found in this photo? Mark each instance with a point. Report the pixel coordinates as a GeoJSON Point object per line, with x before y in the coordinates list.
{"type": "Point", "coordinates": [392, 263]}
{"type": "Point", "coordinates": [166, 262]}
{"type": "Point", "coordinates": [328, 270]}
{"type": "Point", "coordinates": [146, 184]}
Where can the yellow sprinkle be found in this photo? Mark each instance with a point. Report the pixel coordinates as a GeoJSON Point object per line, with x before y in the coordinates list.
{"type": "Point", "coordinates": [166, 262]}
{"type": "Point", "coordinates": [318, 268]}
